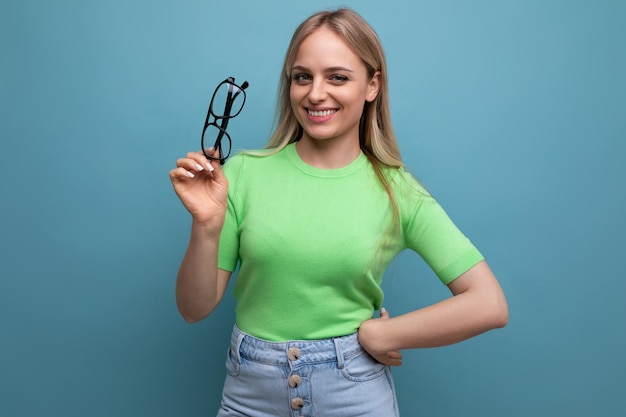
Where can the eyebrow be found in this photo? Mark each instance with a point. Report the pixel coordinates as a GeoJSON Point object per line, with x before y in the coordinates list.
{"type": "Point", "coordinates": [330, 69]}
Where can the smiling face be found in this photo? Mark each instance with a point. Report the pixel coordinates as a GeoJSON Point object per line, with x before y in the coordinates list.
{"type": "Point", "coordinates": [329, 88]}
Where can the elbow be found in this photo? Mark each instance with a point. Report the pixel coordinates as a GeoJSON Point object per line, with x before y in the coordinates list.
{"type": "Point", "coordinates": [191, 315]}
{"type": "Point", "coordinates": [191, 318]}
{"type": "Point", "coordinates": [491, 311]}
{"type": "Point", "coordinates": [501, 320]}
{"type": "Point", "coordinates": [500, 314]}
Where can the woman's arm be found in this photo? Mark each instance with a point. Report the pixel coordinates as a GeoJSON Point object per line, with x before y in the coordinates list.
{"type": "Point", "coordinates": [477, 305]}
{"type": "Point", "coordinates": [200, 285]}
{"type": "Point", "coordinates": [203, 190]}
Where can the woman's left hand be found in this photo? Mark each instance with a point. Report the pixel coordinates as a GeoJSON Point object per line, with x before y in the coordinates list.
{"type": "Point", "coordinates": [370, 338]}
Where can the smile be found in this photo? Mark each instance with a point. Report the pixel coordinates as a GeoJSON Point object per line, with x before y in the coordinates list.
{"type": "Point", "coordinates": [321, 113]}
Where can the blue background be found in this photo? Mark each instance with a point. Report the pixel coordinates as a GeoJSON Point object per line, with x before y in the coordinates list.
{"type": "Point", "coordinates": [513, 113]}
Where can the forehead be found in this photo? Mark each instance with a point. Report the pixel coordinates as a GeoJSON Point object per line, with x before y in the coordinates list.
{"type": "Point", "coordinates": [325, 48]}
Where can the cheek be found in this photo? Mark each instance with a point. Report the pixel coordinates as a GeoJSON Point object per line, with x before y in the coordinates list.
{"type": "Point", "coordinates": [295, 99]}
{"type": "Point", "coordinates": [353, 100]}
{"type": "Point", "coordinates": [294, 103]}
{"type": "Point", "coordinates": [296, 93]}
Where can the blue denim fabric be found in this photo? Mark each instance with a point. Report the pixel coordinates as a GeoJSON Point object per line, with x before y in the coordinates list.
{"type": "Point", "coordinates": [319, 378]}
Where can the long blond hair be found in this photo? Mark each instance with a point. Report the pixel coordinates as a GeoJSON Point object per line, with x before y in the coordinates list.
{"type": "Point", "coordinates": [376, 137]}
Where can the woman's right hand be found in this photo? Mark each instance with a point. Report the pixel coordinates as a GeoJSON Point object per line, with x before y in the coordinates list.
{"type": "Point", "coordinates": [202, 187]}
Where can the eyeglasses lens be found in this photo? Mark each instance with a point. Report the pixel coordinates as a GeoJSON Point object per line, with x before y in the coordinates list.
{"type": "Point", "coordinates": [214, 136]}
{"type": "Point", "coordinates": [221, 101]}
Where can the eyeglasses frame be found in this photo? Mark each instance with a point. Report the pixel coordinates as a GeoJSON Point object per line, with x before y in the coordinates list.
{"type": "Point", "coordinates": [233, 91]}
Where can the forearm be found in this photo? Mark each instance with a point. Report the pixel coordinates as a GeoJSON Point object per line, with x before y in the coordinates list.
{"type": "Point", "coordinates": [447, 322]}
{"type": "Point", "coordinates": [198, 287]}
{"type": "Point", "coordinates": [478, 305]}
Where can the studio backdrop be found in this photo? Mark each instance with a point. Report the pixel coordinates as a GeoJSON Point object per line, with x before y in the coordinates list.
{"type": "Point", "coordinates": [512, 113]}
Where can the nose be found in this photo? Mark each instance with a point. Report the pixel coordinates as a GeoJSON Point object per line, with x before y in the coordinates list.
{"type": "Point", "coordinates": [317, 93]}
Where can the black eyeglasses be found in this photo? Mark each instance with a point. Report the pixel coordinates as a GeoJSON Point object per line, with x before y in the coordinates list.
{"type": "Point", "coordinates": [234, 97]}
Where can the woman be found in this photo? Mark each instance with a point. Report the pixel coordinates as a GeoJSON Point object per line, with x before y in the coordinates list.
{"type": "Point", "coordinates": [313, 221]}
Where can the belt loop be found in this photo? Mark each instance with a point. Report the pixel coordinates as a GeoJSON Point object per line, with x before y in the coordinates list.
{"type": "Point", "coordinates": [338, 352]}
{"type": "Point", "coordinates": [240, 337]}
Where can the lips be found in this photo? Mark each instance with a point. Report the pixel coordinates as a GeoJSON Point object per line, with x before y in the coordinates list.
{"type": "Point", "coordinates": [320, 115]}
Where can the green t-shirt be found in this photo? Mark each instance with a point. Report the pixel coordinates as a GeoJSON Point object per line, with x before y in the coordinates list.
{"type": "Point", "coordinates": [313, 244]}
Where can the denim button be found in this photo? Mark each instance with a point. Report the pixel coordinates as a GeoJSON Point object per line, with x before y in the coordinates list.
{"type": "Point", "coordinates": [293, 353]}
{"type": "Point", "coordinates": [297, 403]}
{"type": "Point", "coordinates": [295, 381]}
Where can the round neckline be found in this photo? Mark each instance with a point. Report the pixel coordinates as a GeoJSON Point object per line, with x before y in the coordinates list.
{"type": "Point", "coordinates": [352, 167]}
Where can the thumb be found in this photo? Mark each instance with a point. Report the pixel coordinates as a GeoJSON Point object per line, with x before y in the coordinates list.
{"type": "Point", "coordinates": [384, 314]}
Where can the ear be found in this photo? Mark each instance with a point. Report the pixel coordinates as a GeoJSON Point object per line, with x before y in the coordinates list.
{"type": "Point", "coordinates": [373, 87]}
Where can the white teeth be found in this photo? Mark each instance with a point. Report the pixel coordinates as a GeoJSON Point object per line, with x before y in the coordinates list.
{"type": "Point", "coordinates": [321, 113]}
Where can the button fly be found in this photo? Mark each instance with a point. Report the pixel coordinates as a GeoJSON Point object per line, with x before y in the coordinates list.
{"type": "Point", "coordinates": [297, 403]}
{"type": "Point", "coordinates": [293, 353]}
{"type": "Point", "coordinates": [295, 381]}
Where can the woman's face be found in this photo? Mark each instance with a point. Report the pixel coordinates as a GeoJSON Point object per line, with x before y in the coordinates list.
{"type": "Point", "coordinates": [329, 88]}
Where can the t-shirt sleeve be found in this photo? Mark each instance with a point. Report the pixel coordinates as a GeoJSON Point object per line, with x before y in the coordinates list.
{"type": "Point", "coordinates": [430, 232]}
{"type": "Point", "coordinates": [228, 251]}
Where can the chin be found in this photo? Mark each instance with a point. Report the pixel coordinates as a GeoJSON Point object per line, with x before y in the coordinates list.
{"type": "Point", "coordinates": [318, 136]}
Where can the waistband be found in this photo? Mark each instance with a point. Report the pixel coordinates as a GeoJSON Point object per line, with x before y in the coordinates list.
{"type": "Point", "coordinates": [336, 349]}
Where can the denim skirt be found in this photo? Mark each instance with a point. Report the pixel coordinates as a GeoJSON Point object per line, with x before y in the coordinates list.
{"type": "Point", "coordinates": [310, 378]}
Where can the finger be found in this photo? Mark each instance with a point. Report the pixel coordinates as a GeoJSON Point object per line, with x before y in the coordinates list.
{"type": "Point", "coordinates": [191, 164]}
{"type": "Point", "coordinates": [394, 354]}
{"type": "Point", "coordinates": [210, 164]}
{"type": "Point", "coordinates": [386, 360]}
{"type": "Point", "coordinates": [181, 173]}
{"type": "Point", "coordinates": [212, 152]}
{"type": "Point", "coordinates": [209, 153]}
{"type": "Point", "coordinates": [394, 358]}
{"type": "Point", "coordinates": [196, 162]}
{"type": "Point", "coordinates": [201, 159]}
{"type": "Point", "coordinates": [210, 159]}
{"type": "Point", "coordinates": [214, 164]}
{"type": "Point", "coordinates": [394, 362]}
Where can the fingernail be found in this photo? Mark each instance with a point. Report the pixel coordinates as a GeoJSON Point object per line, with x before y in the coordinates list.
{"type": "Point", "coordinates": [210, 167]}
{"type": "Point", "coordinates": [190, 174]}
{"type": "Point", "coordinates": [199, 167]}
{"type": "Point", "coordinates": [383, 310]}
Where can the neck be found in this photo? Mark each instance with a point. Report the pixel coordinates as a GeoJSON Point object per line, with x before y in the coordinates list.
{"type": "Point", "coordinates": [327, 154]}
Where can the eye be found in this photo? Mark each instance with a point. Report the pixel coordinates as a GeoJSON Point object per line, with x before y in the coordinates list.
{"type": "Point", "coordinates": [301, 78]}
{"type": "Point", "coordinates": [338, 78]}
